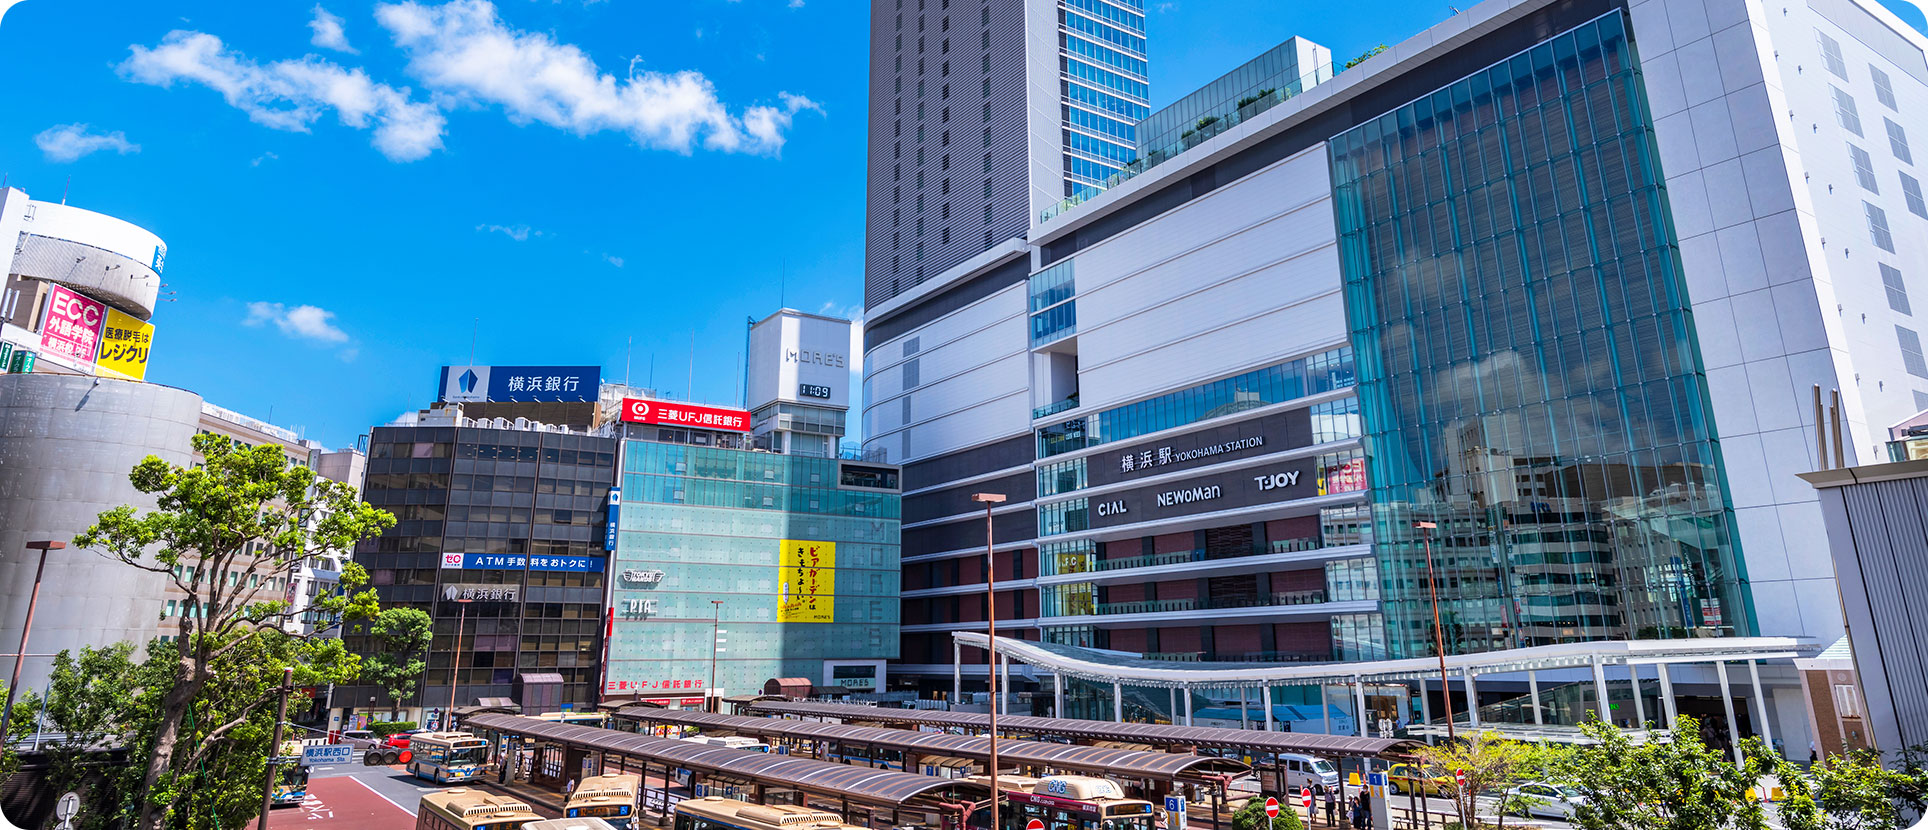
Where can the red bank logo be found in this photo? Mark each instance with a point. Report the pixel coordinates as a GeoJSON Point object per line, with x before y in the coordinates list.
{"type": "Point", "coordinates": [639, 411]}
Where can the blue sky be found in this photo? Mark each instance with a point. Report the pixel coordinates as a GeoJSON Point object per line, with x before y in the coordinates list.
{"type": "Point", "coordinates": [351, 191]}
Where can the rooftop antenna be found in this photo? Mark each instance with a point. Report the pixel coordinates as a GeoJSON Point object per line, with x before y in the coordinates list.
{"type": "Point", "coordinates": [692, 384]}
{"type": "Point", "coordinates": [474, 329]}
{"type": "Point", "coordinates": [70, 186]}
{"type": "Point", "coordinates": [783, 282]}
{"type": "Point", "coordinates": [627, 350]}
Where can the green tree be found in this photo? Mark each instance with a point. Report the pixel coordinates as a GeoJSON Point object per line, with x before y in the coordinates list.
{"type": "Point", "coordinates": [1673, 782]}
{"type": "Point", "coordinates": [401, 636]}
{"type": "Point", "coordinates": [1363, 56]}
{"type": "Point", "coordinates": [1850, 792]}
{"type": "Point", "coordinates": [1489, 761]}
{"type": "Point", "coordinates": [1252, 816]}
{"type": "Point", "coordinates": [223, 531]}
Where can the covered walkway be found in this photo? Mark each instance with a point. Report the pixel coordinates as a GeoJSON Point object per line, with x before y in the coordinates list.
{"type": "Point", "coordinates": [883, 795]}
{"type": "Point", "coordinates": [1155, 734]}
{"type": "Point", "coordinates": [835, 739]}
{"type": "Point", "coordinates": [1629, 656]}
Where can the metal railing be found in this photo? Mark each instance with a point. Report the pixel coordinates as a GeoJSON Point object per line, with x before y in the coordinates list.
{"type": "Point", "coordinates": [1159, 606]}
{"type": "Point", "coordinates": [1295, 545]}
{"type": "Point", "coordinates": [1052, 409]}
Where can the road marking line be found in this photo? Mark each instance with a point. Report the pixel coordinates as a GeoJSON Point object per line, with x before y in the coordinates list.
{"type": "Point", "coordinates": [378, 794]}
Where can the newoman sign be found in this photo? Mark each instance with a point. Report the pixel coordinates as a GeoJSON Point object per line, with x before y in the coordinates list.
{"type": "Point", "coordinates": [1248, 487]}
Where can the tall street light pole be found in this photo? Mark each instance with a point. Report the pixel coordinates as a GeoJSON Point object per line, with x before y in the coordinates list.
{"type": "Point", "coordinates": [274, 749]}
{"type": "Point", "coordinates": [456, 671]}
{"type": "Point", "coordinates": [1439, 633]}
{"type": "Point", "coordinates": [716, 622]}
{"type": "Point", "coordinates": [13, 688]}
{"type": "Point", "coordinates": [990, 500]}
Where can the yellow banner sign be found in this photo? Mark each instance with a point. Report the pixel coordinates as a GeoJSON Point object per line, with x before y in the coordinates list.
{"type": "Point", "coordinates": [806, 582]}
{"type": "Point", "coordinates": [124, 345]}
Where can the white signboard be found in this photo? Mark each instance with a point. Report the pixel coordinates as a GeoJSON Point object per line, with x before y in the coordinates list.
{"type": "Point", "coordinates": [800, 358]}
{"type": "Point", "coordinates": [327, 754]}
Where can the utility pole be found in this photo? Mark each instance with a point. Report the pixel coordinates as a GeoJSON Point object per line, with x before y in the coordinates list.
{"type": "Point", "coordinates": [990, 500]}
{"type": "Point", "coordinates": [33, 599]}
{"type": "Point", "coordinates": [716, 620]}
{"type": "Point", "coordinates": [274, 749]}
{"type": "Point", "coordinates": [1439, 634]}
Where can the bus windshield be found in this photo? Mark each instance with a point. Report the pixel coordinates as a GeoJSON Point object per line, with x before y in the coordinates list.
{"type": "Point", "coordinates": [468, 754]}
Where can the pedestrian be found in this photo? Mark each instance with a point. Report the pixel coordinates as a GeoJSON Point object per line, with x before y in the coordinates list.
{"type": "Point", "coordinates": [569, 788]}
{"type": "Point", "coordinates": [1358, 813]}
{"type": "Point", "coordinates": [1365, 811]}
{"type": "Point", "coordinates": [1332, 806]}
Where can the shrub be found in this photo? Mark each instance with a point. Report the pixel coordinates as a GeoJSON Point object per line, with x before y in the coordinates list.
{"type": "Point", "coordinates": [1252, 816]}
{"type": "Point", "coordinates": [383, 729]}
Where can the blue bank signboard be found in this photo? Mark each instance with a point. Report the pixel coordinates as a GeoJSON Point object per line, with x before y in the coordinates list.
{"type": "Point", "coordinates": [519, 384]}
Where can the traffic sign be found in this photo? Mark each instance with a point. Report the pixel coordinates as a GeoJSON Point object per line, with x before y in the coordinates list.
{"type": "Point", "coordinates": [1459, 775]}
{"type": "Point", "coordinates": [1271, 807]}
{"type": "Point", "coordinates": [326, 754]}
{"type": "Point", "coordinates": [1305, 797]}
{"type": "Point", "coordinates": [1034, 824]}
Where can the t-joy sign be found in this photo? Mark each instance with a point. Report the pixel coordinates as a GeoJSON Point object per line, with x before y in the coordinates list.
{"type": "Point", "coordinates": [1274, 481]}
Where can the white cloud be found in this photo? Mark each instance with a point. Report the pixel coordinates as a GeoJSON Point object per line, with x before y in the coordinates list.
{"type": "Point", "coordinates": [463, 50]}
{"type": "Point", "coordinates": [328, 32]}
{"type": "Point", "coordinates": [519, 233]}
{"type": "Point", "coordinates": [293, 94]}
{"type": "Point", "coordinates": [613, 260]}
{"type": "Point", "coordinates": [303, 322]}
{"type": "Point", "coordinates": [796, 4]}
{"type": "Point", "coordinates": [68, 142]}
{"type": "Point", "coordinates": [268, 156]}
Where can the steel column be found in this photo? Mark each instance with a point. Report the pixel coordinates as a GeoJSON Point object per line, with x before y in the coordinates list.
{"type": "Point", "coordinates": [1117, 703]}
{"type": "Point", "coordinates": [1605, 706]}
{"type": "Point", "coordinates": [1265, 699]}
{"type": "Point", "coordinates": [1187, 692]}
{"type": "Point", "coordinates": [1359, 697]}
{"type": "Point", "coordinates": [1425, 709]}
{"type": "Point", "coordinates": [1325, 708]}
{"type": "Point", "coordinates": [1533, 694]}
{"type": "Point", "coordinates": [957, 672]}
{"type": "Point", "coordinates": [1727, 704]}
{"type": "Point", "coordinates": [1760, 704]}
{"type": "Point", "coordinates": [1472, 700]}
{"type": "Point", "coordinates": [1639, 706]}
{"type": "Point", "coordinates": [1004, 686]}
{"type": "Point", "coordinates": [1668, 705]}
{"type": "Point", "coordinates": [1057, 694]}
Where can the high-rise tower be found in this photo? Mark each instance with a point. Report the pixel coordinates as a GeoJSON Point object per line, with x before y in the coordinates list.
{"type": "Point", "coordinates": [983, 113]}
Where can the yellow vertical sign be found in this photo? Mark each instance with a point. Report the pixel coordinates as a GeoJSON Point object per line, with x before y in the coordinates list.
{"type": "Point", "coordinates": [124, 345]}
{"type": "Point", "coordinates": [806, 581]}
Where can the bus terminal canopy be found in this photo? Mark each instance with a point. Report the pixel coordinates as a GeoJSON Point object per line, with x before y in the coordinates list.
{"type": "Point", "coordinates": [1119, 667]}
{"type": "Point", "coordinates": [1089, 760]}
{"type": "Point", "coordinates": [1211, 737]}
{"type": "Point", "coordinates": [861, 785]}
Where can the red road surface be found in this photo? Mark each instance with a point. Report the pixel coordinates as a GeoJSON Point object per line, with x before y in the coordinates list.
{"type": "Point", "coordinates": [341, 803]}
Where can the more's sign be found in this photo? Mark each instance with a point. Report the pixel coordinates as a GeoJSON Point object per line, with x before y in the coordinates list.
{"type": "Point", "coordinates": [669, 413]}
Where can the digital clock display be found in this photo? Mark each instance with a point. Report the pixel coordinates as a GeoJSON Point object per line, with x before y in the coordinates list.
{"type": "Point", "coordinates": [810, 390]}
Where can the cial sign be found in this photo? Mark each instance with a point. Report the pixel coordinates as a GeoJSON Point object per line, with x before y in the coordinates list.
{"type": "Point", "coordinates": [327, 755]}
{"type": "Point", "coordinates": [642, 411]}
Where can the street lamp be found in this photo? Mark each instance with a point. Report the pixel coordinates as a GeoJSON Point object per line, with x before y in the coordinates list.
{"type": "Point", "coordinates": [990, 500]}
{"type": "Point", "coordinates": [13, 688]}
{"type": "Point", "coordinates": [455, 671]}
{"type": "Point", "coordinates": [716, 619]}
{"type": "Point", "coordinates": [1439, 634]}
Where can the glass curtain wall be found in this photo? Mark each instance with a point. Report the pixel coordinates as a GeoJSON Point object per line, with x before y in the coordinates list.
{"type": "Point", "coordinates": [1528, 373]}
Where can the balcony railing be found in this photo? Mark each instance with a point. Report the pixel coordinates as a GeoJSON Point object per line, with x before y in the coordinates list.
{"type": "Point", "coordinates": [1161, 606]}
{"type": "Point", "coordinates": [1057, 565]}
{"type": "Point", "coordinates": [1052, 409]}
{"type": "Point", "coordinates": [1245, 657]}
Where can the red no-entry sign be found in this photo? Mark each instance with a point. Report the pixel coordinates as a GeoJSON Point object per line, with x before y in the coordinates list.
{"type": "Point", "coordinates": [1034, 824]}
{"type": "Point", "coordinates": [1459, 775]}
{"type": "Point", "coordinates": [1305, 797]}
{"type": "Point", "coordinates": [1271, 807]}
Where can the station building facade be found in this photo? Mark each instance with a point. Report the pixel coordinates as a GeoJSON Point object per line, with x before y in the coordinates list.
{"type": "Point", "coordinates": [1537, 295]}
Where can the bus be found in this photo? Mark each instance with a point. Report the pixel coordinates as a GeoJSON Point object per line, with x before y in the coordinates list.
{"type": "Point", "coordinates": [596, 719]}
{"type": "Point", "coordinates": [462, 808]}
{"type": "Point", "coordinates": [1069, 802]}
{"type": "Point", "coordinates": [717, 813]}
{"type": "Point", "coordinates": [447, 757]}
{"type": "Point", "coordinates": [290, 782]}
{"type": "Point", "coordinates": [569, 824]}
{"type": "Point", "coordinates": [612, 797]}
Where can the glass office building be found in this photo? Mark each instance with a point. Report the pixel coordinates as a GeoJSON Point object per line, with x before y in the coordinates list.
{"type": "Point", "coordinates": [1527, 366]}
{"type": "Point", "coordinates": [510, 520]}
{"type": "Point", "coordinates": [791, 561]}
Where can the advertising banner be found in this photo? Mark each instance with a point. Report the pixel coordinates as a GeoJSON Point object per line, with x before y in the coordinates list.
{"type": "Point", "coordinates": [517, 562]}
{"type": "Point", "coordinates": [519, 384]}
{"type": "Point", "coordinates": [71, 328]}
{"type": "Point", "coordinates": [124, 344]}
{"type": "Point", "coordinates": [667, 413]}
{"type": "Point", "coordinates": [806, 582]}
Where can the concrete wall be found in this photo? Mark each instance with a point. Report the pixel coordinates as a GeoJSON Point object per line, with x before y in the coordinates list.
{"type": "Point", "coordinates": [66, 446]}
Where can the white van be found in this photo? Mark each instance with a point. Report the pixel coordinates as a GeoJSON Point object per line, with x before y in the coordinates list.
{"type": "Point", "coordinates": [1303, 771]}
